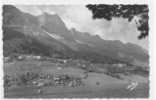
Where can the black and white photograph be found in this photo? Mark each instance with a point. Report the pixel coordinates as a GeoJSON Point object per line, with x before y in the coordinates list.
{"type": "Point", "coordinates": [76, 51]}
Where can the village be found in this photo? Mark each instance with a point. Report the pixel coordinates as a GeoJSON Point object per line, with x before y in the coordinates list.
{"type": "Point", "coordinates": [41, 79]}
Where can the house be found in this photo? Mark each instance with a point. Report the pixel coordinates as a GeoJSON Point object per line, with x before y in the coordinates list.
{"type": "Point", "coordinates": [64, 61]}
{"type": "Point", "coordinates": [37, 57]}
{"type": "Point", "coordinates": [21, 57]}
{"type": "Point", "coordinates": [7, 59]}
{"type": "Point", "coordinates": [120, 65]}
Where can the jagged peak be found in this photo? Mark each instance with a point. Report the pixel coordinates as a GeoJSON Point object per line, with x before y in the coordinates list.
{"type": "Point", "coordinates": [50, 15]}
{"type": "Point", "coordinates": [10, 8]}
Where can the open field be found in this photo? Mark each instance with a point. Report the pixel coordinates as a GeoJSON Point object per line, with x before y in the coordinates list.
{"type": "Point", "coordinates": [108, 87]}
{"type": "Point", "coordinates": [81, 92]}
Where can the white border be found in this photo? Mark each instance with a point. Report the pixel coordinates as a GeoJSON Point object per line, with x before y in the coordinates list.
{"type": "Point", "coordinates": [47, 2]}
{"type": "Point", "coordinates": [152, 32]}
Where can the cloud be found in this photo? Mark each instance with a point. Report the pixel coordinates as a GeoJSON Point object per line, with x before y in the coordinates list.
{"type": "Point", "coordinates": [79, 17]}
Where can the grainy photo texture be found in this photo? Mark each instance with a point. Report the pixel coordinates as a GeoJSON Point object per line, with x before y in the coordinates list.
{"type": "Point", "coordinates": [75, 51]}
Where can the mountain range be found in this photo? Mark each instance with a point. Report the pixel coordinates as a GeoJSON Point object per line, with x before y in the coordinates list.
{"type": "Point", "coordinates": [48, 35]}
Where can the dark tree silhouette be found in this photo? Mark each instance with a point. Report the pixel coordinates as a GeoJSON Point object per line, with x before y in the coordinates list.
{"type": "Point", "coordinates": [125, 11]}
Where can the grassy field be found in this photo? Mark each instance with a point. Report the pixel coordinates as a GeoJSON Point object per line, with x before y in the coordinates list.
{"type": "Point", "coordinates": [108, 86]}
{"type": "Point", "coordinates": [110, 91]}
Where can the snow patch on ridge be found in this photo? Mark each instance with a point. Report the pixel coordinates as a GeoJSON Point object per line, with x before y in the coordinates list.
{"type": "Point", "coordinates": [55, 36]}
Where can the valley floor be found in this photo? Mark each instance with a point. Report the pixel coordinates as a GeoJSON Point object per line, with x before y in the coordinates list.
{"type": "Point", "coordinates": [111, 91]}
{"type": "Point", "coordinates": [107, 87]}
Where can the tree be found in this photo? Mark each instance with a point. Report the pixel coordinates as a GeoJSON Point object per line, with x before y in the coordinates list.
{"type": "Point", "coordinates": [126, 11]}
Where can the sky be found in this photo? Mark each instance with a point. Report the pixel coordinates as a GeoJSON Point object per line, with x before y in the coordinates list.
{"type": "Point", "coordinates": [80, 18]}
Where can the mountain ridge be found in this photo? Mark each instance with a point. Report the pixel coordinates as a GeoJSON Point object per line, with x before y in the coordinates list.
{"type": "Point", "coordinates": [37, 26]}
